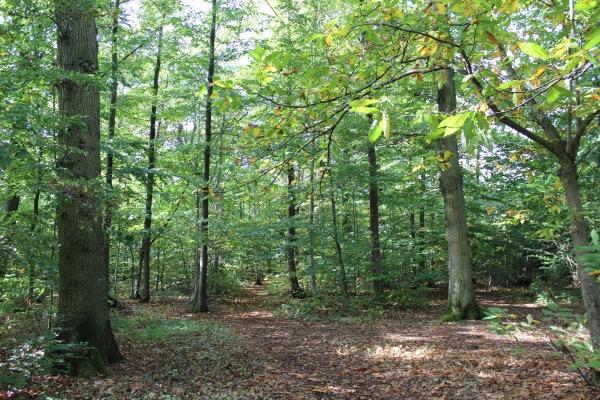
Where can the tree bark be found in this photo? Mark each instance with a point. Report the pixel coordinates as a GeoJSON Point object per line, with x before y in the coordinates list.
{"type": "Point", "coordinates": [376, 270]}
{"type": "Point", "coordinates": [112, 118]}
{"type": "Point", "coordinates": [200, 296]}
{"type": "Point", "coordinates": [147, 235]}
{"type": "Point", "coordinates": [295, 289]}
{"type": "Point", "coordinates": [83, 282]}
{"type": "Point", "coordinates": [311, 227]}
{"type": "Point", "coordinates": [580, 235]}
{"type": "Point", "coordinates": [461, 301]}
{"type": "Point", "coordinates": [338, 247]}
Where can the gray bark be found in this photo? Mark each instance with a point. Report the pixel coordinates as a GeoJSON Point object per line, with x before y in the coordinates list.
{"type": "Point", "coordinates": [83, 283]}
{"type": "Point", "coordinates": [461, 301]}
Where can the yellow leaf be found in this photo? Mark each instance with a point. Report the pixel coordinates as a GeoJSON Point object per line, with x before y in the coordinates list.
{"type": "Point", "coordinates": [490, 210]}
{"type": "Point", "coordinates": [510, 6]}
{"type": "Point", "coordinates": [538, 72]}
{"type": "Point", "coordinates": [513, 157]}
{"type": "Point", "coordinates": [328, 40]}
{"type": "Point", "coordinates": [270, 68]}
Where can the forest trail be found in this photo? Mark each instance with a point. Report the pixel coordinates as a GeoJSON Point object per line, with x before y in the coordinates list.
{"type": "Point", "coordinates": [413, 356]}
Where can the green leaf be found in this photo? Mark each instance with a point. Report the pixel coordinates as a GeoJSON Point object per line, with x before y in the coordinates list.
{"type": "Point", "coordinates": [595, 236]}
{"type": "Point", "coordinates": [387, 126]}
{"type": "Point", "coordinates": [363, 102]}
{"type": "Point", "coordinates": [593, 40]}
{"type": "Point", "coordinates": [585, 5]}
{"type": "Point", "coordinates": [453, 123]}
{"type": "Point", "coordinates": [376, 130]}
{"type": "Point", "coordinates": [534, 50]}
{"type": "Point", "coordinates": [552, 95]}
{"type": "Point", "coordinates": [257, 53]}
{"type": "Point", "coordinates": [364, 110]}
{"type": "Point", "coordinates": [509, 84]}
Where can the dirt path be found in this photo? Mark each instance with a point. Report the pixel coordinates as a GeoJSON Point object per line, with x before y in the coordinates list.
{"type": "Point", "coordinates": [412, 357]}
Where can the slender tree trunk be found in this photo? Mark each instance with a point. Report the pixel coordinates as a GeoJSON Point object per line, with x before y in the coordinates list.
{"type": "Point", "coordinates": [461, 301]}
{"type": "Point", "coordinates": [200, 296]}
{"type": "Point", "coordinates": [132, 268]}
{"type": "Point", "coordinates": [34, 220]}
{"type": "Point", "coordinates": [412, 227]}
{"type": "Point", "coordinates": [376, 269]}
{"type": "Point", "coordinates": [311, 227]}
{"type": "Point", "coordinates": [83, 284]}
{"type": "Point", "coordinates": [147, 236]}
{"type": "Point", "coordinates": [421, 239]}
{"type": "Point", "coordinates": [112, 118]}
{"type": "Point", "coordinates": [338, 247]}
{"type": "Point", "coordinates": [116, 272]}
{"type": "Point", "coordinates": [295, 289]}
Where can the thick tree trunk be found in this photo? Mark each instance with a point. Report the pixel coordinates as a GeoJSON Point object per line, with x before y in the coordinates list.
{"type": "Point", "coordinates": [295, 289]}
{"type": "Point", "coordinates": [112, 118]}
{"type": "Point", "coordinates": [580, 235]}
{"type": "Point", "coordinates": [376, 269]}
{"type": "Point", "coordinates": [83, 284]}
{"type": "Point", "coordinates": [461, 301]}
{"type": "Point", "coordinates": [147, 236]}
{"type": "Point", "coordinates": [200, 296]}
{"type": "Point", "coordinates": [12, 204]}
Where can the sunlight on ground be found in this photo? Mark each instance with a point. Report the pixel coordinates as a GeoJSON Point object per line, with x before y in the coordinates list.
{"type": "Point", "coordinates": [387, 351]}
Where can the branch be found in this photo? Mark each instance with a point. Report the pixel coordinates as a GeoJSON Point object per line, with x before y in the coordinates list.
{"type": "Point", "coordinates": [573, 145]}
{"type": "Point", "coordinates": [503, 118]}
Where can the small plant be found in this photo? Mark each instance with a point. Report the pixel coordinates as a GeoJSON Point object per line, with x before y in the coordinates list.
{"type": "Point", "coordinates": [38, 356]}
{"type": "Point", "coordinates": [566, 335]}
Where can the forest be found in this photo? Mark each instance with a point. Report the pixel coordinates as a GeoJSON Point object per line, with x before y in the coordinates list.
{"type": "Point", "coordinates": [299, 199]}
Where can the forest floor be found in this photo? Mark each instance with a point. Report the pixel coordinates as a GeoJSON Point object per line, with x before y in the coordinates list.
{"type": "Point", "coordinates": [240, 350]}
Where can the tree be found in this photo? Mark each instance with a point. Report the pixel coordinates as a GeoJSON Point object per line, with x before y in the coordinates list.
{"type": "Point", "coordinates": [200, 296]}
{"type": "Point", "coordinates": [461, 301]}
{"type": "Point", "coordinates": [147, 235]}
{"type": "Point", "coordinates": [112, 123]}
{"type": "Point", "coordinates": [82, 310]}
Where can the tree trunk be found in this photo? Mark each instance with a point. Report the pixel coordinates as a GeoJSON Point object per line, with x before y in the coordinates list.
{"type": "Point", "coordinates": [311, 227]}
{"type": "Point", "coordinates": [295, 289]}
{"type": "Point", "coordinates": [34, 220]}
{"type": "Point", "coordinates": [461, 301]}
{"type": "Point", "coordinates": [112, 118]}
{"type": "Point", "coordinates": [376, 270]}
{"type": "Point", "coordinates": [12, 204]}
{"type": "Point", "coordinates": [421, 239]}
{"type": "Point", "coordinates": [200, 296]}
{"type": "Point", "coordinates": [147, 235]}
{"type": "Point", "coordinates": [83, 283]}
{"type": "Point", "coordinates": [580, 235]}
{"type": "Point", "coordinates": [338, 247]}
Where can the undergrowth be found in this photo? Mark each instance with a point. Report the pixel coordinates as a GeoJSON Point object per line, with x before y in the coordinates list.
{"type": "Point", "coordinates": [203, 345]}
{"type": "Point", "coordinates": [349, 308]}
